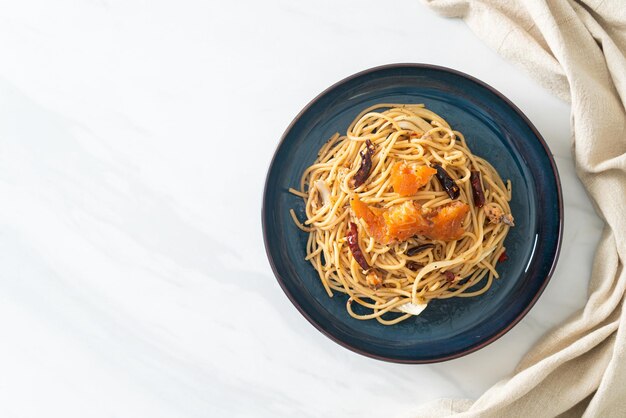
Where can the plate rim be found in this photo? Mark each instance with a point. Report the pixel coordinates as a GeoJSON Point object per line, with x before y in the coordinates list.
{"type": "Point", "coordinates": [493, 337]}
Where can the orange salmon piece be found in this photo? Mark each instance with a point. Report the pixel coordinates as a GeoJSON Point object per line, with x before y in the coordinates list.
{"type": "Point", "coordinates": [373, 218]}
{"type": "Point", "coordinates": [407, 179]}
{"type": "Point", "coordinates": [403, 221]}
{"type": "Point", "coordinates": [447, 221]}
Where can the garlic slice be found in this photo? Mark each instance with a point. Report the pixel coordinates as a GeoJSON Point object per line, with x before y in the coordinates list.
{"type": "Point", "coordinates": [324, 191]}
{"type": "Point", "coordinates": [412, 308]}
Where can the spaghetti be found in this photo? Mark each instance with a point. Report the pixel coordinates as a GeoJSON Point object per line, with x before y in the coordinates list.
{"type": "Point", "coordinates": [400, 212]}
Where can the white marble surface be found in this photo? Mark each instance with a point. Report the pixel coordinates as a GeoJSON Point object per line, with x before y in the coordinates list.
{"type": "Point", "coordinates": [133, 278]}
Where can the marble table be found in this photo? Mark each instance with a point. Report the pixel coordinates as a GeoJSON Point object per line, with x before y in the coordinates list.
{"type": "Point", "coordinates": [134, 142]}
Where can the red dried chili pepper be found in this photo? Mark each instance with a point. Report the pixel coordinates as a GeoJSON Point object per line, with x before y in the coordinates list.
{"type": "Point", "coordinates": [477, 189]}
{"type": "Point", "coordinates": [416, 250]}
{"type": "Point", "coordinates": [366, 164]}
{"type": "Point", "coordinates": [446, 182]}
{"type": "Point", "coordinates": [503, 257]}
{"type": "Point", "coordinates": [353, 243]}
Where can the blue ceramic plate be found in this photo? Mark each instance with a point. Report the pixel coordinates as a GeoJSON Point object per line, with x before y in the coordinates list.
{"type": "Point", "coordinates": [496, 130]}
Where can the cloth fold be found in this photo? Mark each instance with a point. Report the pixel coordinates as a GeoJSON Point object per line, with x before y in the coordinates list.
{"type": "Point", "coordinates": [575, 49]}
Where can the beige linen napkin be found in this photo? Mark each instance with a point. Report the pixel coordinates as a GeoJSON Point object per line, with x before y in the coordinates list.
{"type": "Point", "coordinates": [576, 49]}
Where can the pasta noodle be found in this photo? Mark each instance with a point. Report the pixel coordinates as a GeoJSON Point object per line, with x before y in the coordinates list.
{"type": "Point", "coordinates": [443, 259]}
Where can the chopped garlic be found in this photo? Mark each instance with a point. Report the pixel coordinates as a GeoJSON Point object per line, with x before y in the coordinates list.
{"type": "Point", "coordinates": [493, 212]}
{"type": "Point", "coordinates": [373, 280]}
{"type": "Point", "coordinates": [508, 219]}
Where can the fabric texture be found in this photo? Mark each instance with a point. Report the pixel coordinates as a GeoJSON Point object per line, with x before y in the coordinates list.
{"type": "Point", "coordinates": [575, 49]}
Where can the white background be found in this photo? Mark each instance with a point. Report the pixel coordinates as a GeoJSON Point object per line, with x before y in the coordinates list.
{"type": "Point", "coordinates": [133, 278]}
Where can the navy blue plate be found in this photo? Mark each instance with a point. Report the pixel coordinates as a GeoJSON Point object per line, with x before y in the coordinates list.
{"type": "Point", "coordinates": [496, 130]}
